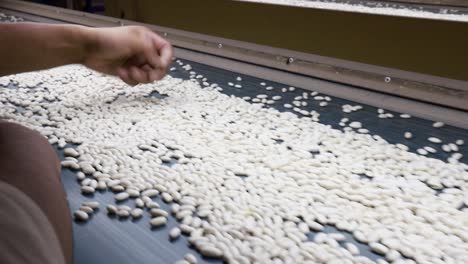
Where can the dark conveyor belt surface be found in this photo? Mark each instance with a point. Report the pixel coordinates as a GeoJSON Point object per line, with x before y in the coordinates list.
{"type": "Point", "coordinates": [110, 240]}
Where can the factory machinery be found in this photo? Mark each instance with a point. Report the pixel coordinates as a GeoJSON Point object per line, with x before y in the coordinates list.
{"type": "Point", "coordinates": [406, 56]}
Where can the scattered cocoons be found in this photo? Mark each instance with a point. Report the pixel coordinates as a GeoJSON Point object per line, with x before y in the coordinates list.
{"type": "Point", "coordinates": [245, 182]}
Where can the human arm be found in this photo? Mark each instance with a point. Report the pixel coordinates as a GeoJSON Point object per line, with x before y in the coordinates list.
{"type": "Point", "coordinates": [135, 54]}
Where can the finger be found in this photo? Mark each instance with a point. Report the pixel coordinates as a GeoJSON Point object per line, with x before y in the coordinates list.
{"type": "Point", "coordinates": [166, 52]}
{"type": "Point", "coordinates": [148, 53]}
{"type": "Point", "coordinates": [139, 75]}
{"type": "Point", "coordinates": [164, 49]}
{"type": "Point", "coordinates": [125, 76]}
{"type": "Point", "coordinates": [147, 68]}
{"type": "Point", "coordinates": [152, 58]}
{"type": "Point", "coordinates": [156, 75]}
{"type": "Point", "coordinates": [137, 60]}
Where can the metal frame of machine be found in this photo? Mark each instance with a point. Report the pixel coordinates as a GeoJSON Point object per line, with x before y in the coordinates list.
{"type": "Point", "coordinates": [422, 95]}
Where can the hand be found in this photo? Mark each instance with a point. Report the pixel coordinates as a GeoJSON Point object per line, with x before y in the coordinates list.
{"type": "Point", "coordinates": [134, 53]}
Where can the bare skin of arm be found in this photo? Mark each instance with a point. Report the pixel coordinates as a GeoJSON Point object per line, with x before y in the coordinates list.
{"type": "Point", "coordinates": [135, 54]}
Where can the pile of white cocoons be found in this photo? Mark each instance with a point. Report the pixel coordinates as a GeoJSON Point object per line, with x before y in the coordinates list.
{"type": "Point", "coordinates": [248, 184]}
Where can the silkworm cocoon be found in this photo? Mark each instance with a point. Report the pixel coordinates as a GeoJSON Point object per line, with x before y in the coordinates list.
{"type": "Point", "coordinates": [422, 151]}
{"type": "Point", "coordinates": [121, 196]}
{"type": "Point", "coordinates": [434, 140]}
{"type": "Point", "coordinates": [166, 197]}
{"type": "Point", "coordinates": [158, 212]}
{"type": "Point", "coordinates": [133, 193]}
{"type": "Point", "coordinates": [136, 213]}
{"type": "Point", "coordinates": [123, 213]}
{"type": "Point", "coordinates": [355, 124]}
{"type": "Point", "coordinates": [71, 152]}
{"type": "Point", "coordinates": [70, 164]}
{"type": "Point", "coordinates": [139, 203]}
{"type": "Point", "coordinates": [151, 205]}
{"type": "Point", "coordinates": [92, 204]}
{"type": "Point", "coordinates": [158, 221]}
{"type": "Point", "coordinates": [175, 208]}
{"type": "Point", "coordinates": [438, 124]}
{"type": "Point", "coordinates": [174, 233]}
{"type": "Point", "coordinates": [186, 229]}
{"type": "Point", "coordinates": [86, 209]}
{"type": "Point", "coordinates": [378, 248]}
{"type": "Point", "coordinates": [87, 189]}
{"type": "Point", "coordinates": [81, 215]}
{"type": "Point", "coordinates": [353, 249]}
{"type": "Point", "coordinates": [111, 209]}
{"type": "Point", "coordinates": [211, 252]}
{"type": "Point", "coordinates": [80, 176]}
{"type": "Point", "coordinates": [430, 149]}
{"type": "Point", "coordinates": [408, 135]}
{"type": "Point", "coordinates": [190, 258]}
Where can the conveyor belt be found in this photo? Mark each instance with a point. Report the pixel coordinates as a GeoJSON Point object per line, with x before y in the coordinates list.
{"type": "Point", "coordinates": [116, 241]}
{"type": "Point", "coordinates": [110, 240]}
{"type": "Point", "coordinates": [390, 129]}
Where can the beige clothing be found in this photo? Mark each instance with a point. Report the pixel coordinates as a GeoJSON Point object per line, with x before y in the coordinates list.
{"type": "Point", "coordinates": [26, 235]}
